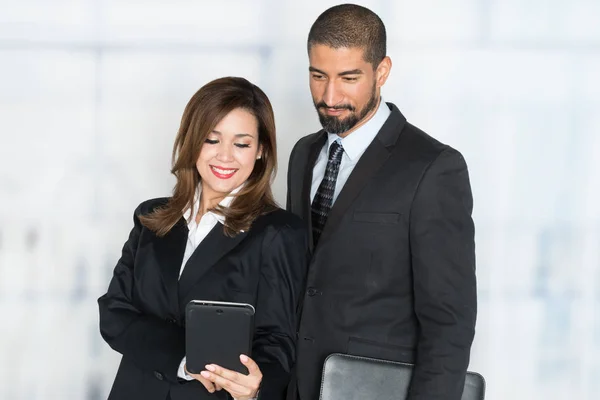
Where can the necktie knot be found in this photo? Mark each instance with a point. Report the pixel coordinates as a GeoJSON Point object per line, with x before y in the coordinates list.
{"type": "Point", "coordinates": [335, 151]}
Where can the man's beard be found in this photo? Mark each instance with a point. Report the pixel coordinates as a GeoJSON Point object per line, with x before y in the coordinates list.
{"type": "Point", "coordinates": [333, 124]}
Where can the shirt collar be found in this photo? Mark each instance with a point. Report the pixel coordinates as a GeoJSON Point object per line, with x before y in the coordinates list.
{"type": "Point", "coordinates": [226, 202]}
{"type": "Point", "coordinates": [357, 142]}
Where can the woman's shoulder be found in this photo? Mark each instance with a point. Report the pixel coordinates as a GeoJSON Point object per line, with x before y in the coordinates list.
{"type": "Point", "coordinates": [147, 206]}
{"type": "Point", "coordinates": [281, 218]}
{"type": "Point", "coordinates": [280, 229]}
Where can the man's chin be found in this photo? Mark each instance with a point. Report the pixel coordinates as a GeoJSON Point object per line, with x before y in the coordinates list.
{"type": "Point", "coordinates": [338, 119]}
{"type": "Point", "coordinates": [335, 125]}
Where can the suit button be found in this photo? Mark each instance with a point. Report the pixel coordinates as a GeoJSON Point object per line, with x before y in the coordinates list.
{"type": "Point", "coordinates": [158, 375]}
{"type": "Point", "coordinates": [312, 291]}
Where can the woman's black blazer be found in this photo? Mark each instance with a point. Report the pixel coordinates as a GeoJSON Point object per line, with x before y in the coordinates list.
{"type": "Point", "coordinates": [142, 313]}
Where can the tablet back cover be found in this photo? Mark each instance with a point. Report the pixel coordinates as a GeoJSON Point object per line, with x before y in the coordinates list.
{"type": "Point", "coordinates": [217, 334]}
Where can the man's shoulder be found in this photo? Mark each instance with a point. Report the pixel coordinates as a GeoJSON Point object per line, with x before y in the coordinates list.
{"type": "Point", "coordinates": [421, 139]}
{"type": "Point", "coordinates": [408, 137]}
{"type": "Point", "coordinates": [305, 141]}
{"type": "Point", "coordinates": [302, 148]}
{"type": "Point", "coordinates": [423, 145]}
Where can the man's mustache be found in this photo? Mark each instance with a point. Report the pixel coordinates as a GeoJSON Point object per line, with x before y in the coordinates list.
{"type": "Point", "coordinates": [322, 104]}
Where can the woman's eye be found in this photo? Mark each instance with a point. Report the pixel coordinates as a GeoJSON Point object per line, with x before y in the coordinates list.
{"type": "Point", "coordinates": [211, 141]}
{"type": "Point", "coordinates": [242, 145]}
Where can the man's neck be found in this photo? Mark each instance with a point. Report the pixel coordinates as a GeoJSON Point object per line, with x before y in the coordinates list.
{"type": "Point", "coordinates": [362, 121]}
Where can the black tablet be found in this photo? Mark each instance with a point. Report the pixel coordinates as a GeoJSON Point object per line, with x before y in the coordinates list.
{"type": "Point", "coordinates": [217, 333]}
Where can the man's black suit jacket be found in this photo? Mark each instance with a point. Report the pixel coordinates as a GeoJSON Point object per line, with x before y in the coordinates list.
{"type": "Point", "coordinates": [142, 314]}
{"type": "Point", "coordinates": [393, 274]}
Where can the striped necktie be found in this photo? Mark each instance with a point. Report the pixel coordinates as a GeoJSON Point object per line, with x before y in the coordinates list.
{"type": "Point", "coordinates": [324, 197]}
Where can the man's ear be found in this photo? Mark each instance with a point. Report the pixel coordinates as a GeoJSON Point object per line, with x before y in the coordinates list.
{"type": "Point", "coordinates": [383, 71]}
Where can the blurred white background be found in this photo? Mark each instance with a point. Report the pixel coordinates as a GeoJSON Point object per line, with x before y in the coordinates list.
{"type": "Point", "coordinates": [91, 93]}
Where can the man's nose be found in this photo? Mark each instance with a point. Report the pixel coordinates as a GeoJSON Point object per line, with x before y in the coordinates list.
{"type": "Point", "coordinates": [332, 95]}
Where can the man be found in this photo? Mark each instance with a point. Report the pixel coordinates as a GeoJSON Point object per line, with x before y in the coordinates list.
{"type": "Point", "coordinates": [392, 274]}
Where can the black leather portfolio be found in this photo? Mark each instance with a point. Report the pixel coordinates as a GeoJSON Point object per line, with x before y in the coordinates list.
{"type": "Point", "coordinates": [348, 377]}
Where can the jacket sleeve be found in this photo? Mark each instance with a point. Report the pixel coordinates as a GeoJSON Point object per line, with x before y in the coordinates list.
{"type": "Point", "coordinates": [150, 342]}
{"type": "Point", "coordinates": [280, 288]}
{"type": "Point", "coordinates": [443, 260]}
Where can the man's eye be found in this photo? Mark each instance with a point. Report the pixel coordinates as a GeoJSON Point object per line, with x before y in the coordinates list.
{"type": "Point", "coordinates": [350, 79]}
{"type": "Point", "coordinates": [317, 76]}
{"type": "Point", "coordinates": [211, 141]}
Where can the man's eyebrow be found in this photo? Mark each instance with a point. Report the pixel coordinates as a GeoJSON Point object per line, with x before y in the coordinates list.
{"type": "Point", "coordinates": [351, 72]}
{"type": "Point", "coordinates": [344, 73]}
{"type": "Point", "coordinates": [313, 69]}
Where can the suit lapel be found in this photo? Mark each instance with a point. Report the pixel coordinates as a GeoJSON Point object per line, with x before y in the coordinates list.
{"type": "Point", "coordinates": [169, 251]}
{"type": "Point", "coordinates": [370, 162]}
{"type": "Point", "coordinates": [209, 252]}
{"type": "Point", "coordinates": [313, 153]}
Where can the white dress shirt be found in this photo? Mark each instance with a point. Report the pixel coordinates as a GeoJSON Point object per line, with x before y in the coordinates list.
{"type": "Point", "coordinates": [354, 146]}
{"type": "Point", "coordinates": [197, 233]}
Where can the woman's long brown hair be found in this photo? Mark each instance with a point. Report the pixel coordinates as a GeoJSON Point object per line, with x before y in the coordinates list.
{"type": "Point", "coordinates": [205, 109]}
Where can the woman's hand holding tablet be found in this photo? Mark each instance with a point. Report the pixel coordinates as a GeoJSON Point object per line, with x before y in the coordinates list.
{"type": "Point", "coordinates": [218, 341]}
{"type": "Point", "coordinates": [240, 386]}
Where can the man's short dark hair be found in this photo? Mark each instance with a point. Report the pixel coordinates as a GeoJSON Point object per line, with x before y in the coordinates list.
{"type": "Point", "coordinates": [350, 25]}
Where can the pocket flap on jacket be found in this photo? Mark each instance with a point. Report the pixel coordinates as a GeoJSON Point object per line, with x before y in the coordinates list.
{"type": "Point", "coordinates": [376, 217]}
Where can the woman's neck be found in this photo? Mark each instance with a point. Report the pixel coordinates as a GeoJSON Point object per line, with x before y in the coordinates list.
{"type": "Point", "coordinates": [206, 203]}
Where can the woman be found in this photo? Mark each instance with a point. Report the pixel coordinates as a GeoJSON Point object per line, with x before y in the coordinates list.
{"type": "Point", "coordinates": [219, 237]}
